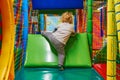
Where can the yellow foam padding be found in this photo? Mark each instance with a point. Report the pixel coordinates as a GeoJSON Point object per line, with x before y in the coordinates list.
{"type": "Point", "coordinates": [111, 42]}
{"type": "Point", "coordinates": [117, 9]}
{"type": "Point", "coordinates": [11, 73]}
{"type": "Point", "coordinates": [8, 33]}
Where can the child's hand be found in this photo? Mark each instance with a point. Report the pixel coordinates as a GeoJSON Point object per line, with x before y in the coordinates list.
{"type": "Point", "coordinates": [55, 30]}
{"type": "Point", "coordinates": [73, 34]}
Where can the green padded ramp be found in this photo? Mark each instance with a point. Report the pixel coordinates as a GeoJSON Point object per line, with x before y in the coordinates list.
{"type": "Point", "coordinates": [41, 54]}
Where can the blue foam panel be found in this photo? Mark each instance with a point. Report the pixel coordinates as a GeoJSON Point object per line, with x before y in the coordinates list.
{"type": "Point", "coordinates": [57, 4]}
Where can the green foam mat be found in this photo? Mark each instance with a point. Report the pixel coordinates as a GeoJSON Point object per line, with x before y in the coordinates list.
{"type": "Point", "coordinates": [55, 74]}
{"type": "Point", "coordinates": [41, 54]}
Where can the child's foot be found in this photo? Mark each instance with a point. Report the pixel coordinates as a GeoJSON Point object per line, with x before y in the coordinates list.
{"type": "Point", "coordinates": [41, 32]}
{"type": "Point", "coordinates": [61, 68]}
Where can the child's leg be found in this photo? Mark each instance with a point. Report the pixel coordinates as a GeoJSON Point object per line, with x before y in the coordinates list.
{"type": "Point", "coordinates": [60, 49]}
{"type": "Point", "coordinates": [61, 54]}
{"type": "Point", "coordinates": [57, 45]}
{"type": "Point", "coordinates": [47, 34]}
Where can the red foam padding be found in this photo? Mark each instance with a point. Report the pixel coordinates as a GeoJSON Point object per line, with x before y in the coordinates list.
{"type": "Point", "coordinates": [118, 71]}
{"type": "Point", "coordinates": [101, 69]}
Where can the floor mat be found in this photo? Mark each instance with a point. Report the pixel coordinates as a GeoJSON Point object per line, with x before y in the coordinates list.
{"type": "Point", "coordinates": [55, 74]}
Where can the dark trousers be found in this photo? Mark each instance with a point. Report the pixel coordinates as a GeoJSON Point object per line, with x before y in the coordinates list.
{"type": "Point", "coordinates": [57, 45]}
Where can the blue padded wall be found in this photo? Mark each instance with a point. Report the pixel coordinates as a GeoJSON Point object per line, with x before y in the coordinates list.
{"type": "Point", "coordinates": [57, 4]}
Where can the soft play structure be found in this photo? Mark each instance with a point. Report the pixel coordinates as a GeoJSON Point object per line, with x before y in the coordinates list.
{"type": "Point", "coordinates": [8, 33]}
{"type": "Point", "coordinates": [42, 60]}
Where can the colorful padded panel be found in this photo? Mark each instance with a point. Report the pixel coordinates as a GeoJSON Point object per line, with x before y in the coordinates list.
{"type": "Point", "coordinates": [41, 54]}
{"type": "Point", "coordinates": [97, 39]}
{"type": "Point", "coordinates": [21, 25]}
{"type": "Point", "coordinates": [101, 69]}
{"type": "Point", "coordinates": [57, 4]}
{"type": "Point", "coordinates": [19, 35]}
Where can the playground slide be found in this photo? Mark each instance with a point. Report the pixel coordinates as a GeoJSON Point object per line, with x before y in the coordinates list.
{"type": "Point", "coordinates": [8, 31]}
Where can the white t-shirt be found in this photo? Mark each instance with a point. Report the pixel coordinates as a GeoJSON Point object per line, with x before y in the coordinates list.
{"type": "Point", "coordinates": [63, 32]}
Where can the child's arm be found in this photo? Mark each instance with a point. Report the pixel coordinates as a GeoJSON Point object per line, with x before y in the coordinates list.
{"type": "Point", "coordinates": [73, 34]}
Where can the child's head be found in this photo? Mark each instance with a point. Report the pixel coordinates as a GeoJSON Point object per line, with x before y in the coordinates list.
{"type": "Point", "coordinates": [67, 17]}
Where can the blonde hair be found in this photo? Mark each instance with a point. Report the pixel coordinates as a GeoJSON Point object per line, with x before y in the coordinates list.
{"type": "Point", "coordinates": [67, 17]}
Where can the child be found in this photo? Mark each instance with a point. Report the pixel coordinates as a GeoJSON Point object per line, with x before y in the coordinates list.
{"type": "Point", "coordinates": [60, 36]}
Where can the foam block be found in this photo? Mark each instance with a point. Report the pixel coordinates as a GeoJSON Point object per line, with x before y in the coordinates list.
{"type": "Point", "coordinates": [57, 4]}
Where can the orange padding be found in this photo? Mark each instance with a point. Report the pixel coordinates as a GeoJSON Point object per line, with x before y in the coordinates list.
{"type": "Point", "coordinates": [8, 33]}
